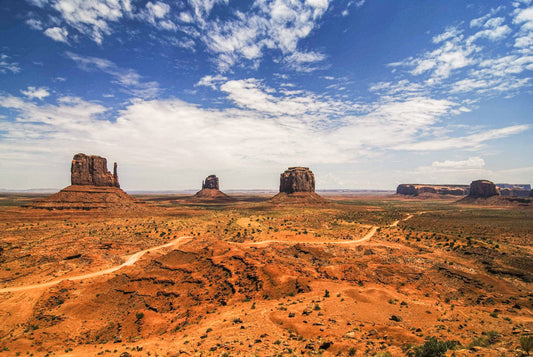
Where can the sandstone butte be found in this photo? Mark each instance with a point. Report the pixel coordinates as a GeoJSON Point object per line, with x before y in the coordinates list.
{"type": "Point", "coordinates": [210, 191]}
{"type": "Point", "coordinates": [297, 185]}
{"type": "Point", "coordinates": [92, 186]}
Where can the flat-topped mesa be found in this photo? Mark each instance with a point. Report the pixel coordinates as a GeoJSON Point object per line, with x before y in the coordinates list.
{"type": "Point", "coordinates": [210, 181]}
{"type": "Point", "coordinates": [297, 179]}
{"type": "Point", "coordinates": [417, 189]}
{"type": "Point", "coordinates": [483, 188]}
{"type": "Point", "coordinates": [92, 170]}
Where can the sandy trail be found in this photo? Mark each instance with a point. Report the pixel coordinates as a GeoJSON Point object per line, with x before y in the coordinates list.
{"type": "Point", "coordinates": [132, 259]}
{"type": "Point", "coordinates": [369, 235]}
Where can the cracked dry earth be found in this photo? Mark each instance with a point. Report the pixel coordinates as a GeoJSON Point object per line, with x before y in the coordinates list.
{"type": "Point", "coordinates": [459, 275]}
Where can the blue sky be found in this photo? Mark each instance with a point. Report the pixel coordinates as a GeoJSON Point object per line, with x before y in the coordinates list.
{"type": "Point", "coordinates": [368, 94]}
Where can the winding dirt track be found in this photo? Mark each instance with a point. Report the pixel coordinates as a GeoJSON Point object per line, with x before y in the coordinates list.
{"type": "Point", "coordinates": [132, 259]}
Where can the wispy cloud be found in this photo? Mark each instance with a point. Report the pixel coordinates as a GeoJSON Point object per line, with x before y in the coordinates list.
{"type": "Point", "coordinates": [8, 65]}
{"type": "Point", "coordinates": [128, 79]}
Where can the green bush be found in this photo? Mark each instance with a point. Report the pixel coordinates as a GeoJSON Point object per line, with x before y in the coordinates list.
{"type": "Point", "coordinates": [526, 342]}
{"type": "Point", "coordinates": [432, 348]}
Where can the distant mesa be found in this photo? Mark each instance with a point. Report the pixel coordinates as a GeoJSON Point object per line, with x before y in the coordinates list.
{"type": "Point", "coordinates": [297, 185]}
{"type": "Point", "coordinates": [514, 190]}
{"type": "Point", "coordinates": [210, 191]}
{"type": "Point", "coordinates": [484, 192]}
{"type": "Point", "coordinates": [93, 187]}
{"type": "Point", "coordinates": [483, 189]}
{"type": "Point", "coordinates": [419, 189]}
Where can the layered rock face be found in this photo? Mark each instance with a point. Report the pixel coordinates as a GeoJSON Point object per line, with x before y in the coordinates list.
{"type": "Point", "coordinates": [92, 170]}
{"type": "Point", "coordinates": [483, 188]}
{"type": "Point", "coordinates": [210, 181]}
{"type": "Point", "coordinates": [415, 190]}
{"type": "Point", "coordinates": [297, 179]}
{"type": "Point", "coordinates": [93, 187]}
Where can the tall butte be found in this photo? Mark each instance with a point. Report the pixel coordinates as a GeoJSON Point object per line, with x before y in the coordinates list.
{"type": "Point", "coordinates": [297, 185]}
{"type": "Point", "coordinates": [210, 191]}
{"type": "Point", "coordinates": [92, 186]}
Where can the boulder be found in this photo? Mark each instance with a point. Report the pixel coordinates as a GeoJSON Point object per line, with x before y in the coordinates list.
{"type": "Point", "coordinates": [297, 179]}
{"type": "Point", "coordinates": [92, 170]}
{"type": "Point", "coordinates": [483, 189]}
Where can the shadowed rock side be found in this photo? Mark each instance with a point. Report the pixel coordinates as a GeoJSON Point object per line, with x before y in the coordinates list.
{"type": "Point", "coordinates": [211, 181]}
{"type": "Point", "coordinates": [210, 191]}
{"type": "Point", "coordinates": [416, 189]}
{"type": "Point", "coordinates": [297, 186]}
{"type": "Point", "coordinates": [92, 170]}
{"type": "Point", "coordinates": [297, 179]}
{"type": "Point", "coordinates": [483, 189]}
{"type": "Point", "coordinates": [93, 187]}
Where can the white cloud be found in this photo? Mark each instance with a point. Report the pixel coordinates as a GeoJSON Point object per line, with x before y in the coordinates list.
{"type": "Point", "coordinates": [8, 65]}
{"type": "Point", "coordinates": [303, 61]}
{"type": "Point", "coordinates": [470, 163]}
{"type": "Point", "coordinates": [129, 79]}
{"type": "Point", "coordinates": [211, 81]}
{"type": "Point", "coordinates": [92, 17]}
{"type": "Point", "coordinates": [470, 141]}
{"type": "Point", "coordinates": [33, 92]}
{"type": "Point", "coordinates": [57, 34]}
{"type": "Point", "coordinates": [275, 25]}
{"type": "Point", "coordinates": [35, 24]}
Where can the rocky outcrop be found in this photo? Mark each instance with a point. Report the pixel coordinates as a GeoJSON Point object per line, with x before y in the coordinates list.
{"type": "Point", "coordinates": [210, 191]}
{"type": "Point", "coordinates": [92, 170]}
{"type": "Point", "coordinates": [483, 189]}
{"type": "Point", "coordinates": [210, 181]}
{"type": "Point", "coordinates": [93, 187]}
{"type": "Point", "coordinates": [297, 186]}
{"type": "Point", "coordinates": [297, 179]}
{"type": "Point", "coordinates": [514, 190]}
{"type": "Point", "coordinates": [416, 189]}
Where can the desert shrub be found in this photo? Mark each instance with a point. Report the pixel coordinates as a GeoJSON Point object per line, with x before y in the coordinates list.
{"type": "Point", "coordinates": [352, 351]}
{"type": "Point", "coordinates": [432, 348]}
{"type": "Point", "coordinates": [526, 342]}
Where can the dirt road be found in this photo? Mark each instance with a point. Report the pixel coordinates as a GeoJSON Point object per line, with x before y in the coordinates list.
{"type": "Point", "coordinates": [132, 259]}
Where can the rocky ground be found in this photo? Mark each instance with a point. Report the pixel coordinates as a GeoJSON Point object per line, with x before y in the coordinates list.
{"type": "Point", "coordinates": [255, 277]}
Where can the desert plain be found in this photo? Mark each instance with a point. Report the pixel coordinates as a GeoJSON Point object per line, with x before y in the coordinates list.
{"type": "Point", "coordinates": [358, 275]}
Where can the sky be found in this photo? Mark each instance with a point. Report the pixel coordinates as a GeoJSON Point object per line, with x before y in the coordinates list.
{"type": "Point", "coordinates": [367, 93]}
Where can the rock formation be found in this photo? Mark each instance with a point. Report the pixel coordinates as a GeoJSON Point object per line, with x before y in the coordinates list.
{"type": "Point", "coordinates": [297, 179]}
{"type": "Point", "coordinates": [211, 181]}
{"type": "Point", "coordinates": [210, 191]}
{"type": "Point", "coordinates": [297, 186]}
{"type": "Point", "coordinates": [416, 189]}
{"type": "Point", "coordinates": [483, 189]}
{"type": "Point", "coordinates": [92, 170]}
{"type": "Point", "coordinates": [514, 190]}
{"type": "Point", "coordinates": [93, 187]}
